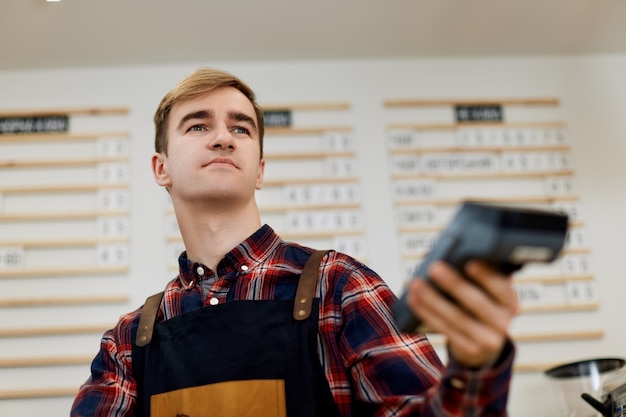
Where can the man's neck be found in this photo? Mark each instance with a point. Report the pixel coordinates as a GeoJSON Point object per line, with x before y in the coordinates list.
{"type": "Point", "coordinates": [210, 234]}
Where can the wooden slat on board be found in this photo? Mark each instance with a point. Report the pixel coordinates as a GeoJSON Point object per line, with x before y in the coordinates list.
{"type": "Point", "coordinates": [532, 367]}
{"type": "Point", "coordinates": [62, 243]}
{"type": "Point", "coordinates": [530, 101]}
{"type": "Point", "coordinates": [337, 105]}
{"type": "Point", "coordinates": [298, 235]}
{"type": "Point", "coordinates": [61, 272]}
{"type": "Point", "coordinates": [56, 163]}
{"type": "Point", "coordinates": [77, 215]}
{"type": "Point", "coordinates": [59, 137]}
{"type": "Point", "coordinates": [63, 301]}
{"type": "Point", "coordinates": [309, 155]}
{"type": "Point", "coordinates": [35, 362]}
{"type": "Point", "coordinates": [313, 180]}
{"type": "Point", "coordinates": [440, 227]}
{"type": "Point", "coordinates": [485, 175]}
{"type": "Point", "coordinates": [318, 130]}
{"type": "Point", "coordinates": [38, 393]}
{"type": "Point", "coordinates": [438, 340]}
{"type": "Point", "coordinates": [321, 234]}
{"type": "Point", "coordinates": [561, 279]}
{"type": "Point", "coordinates": [54, 331]}
{"type": "Point", "coordinates": [285, 208]}
{"type": "Point", "coordinates": [475, 125]}
{"type": "Point", "coordinates": [476, 149]}
{"type": "Point", "coordinates": [559, 308]}
{"type": "Point", "coordinates": [77, 111]}
{"type": "Point", "coordinates": [559, 336]}
{"type": "Point", "coordinates": [437, 230]}
{"type": "Point", "coordinates": [62, 188]}
{"type": "Point", "coordinates": [494, 200]}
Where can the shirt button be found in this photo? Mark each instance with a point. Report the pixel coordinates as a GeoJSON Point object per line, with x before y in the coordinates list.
{"type": "Point", "coordinates": [244, 268]}
{"type": "Point", "coordinates": [200, 270]}
{"type": "Point", "coordinates": [214, 301]}
{"type": "Point", "coordinates": [458, 383]}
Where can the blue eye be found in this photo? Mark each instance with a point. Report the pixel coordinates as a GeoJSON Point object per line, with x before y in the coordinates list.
{"type": "Point", "coordinates": [196, 128]}
{"type": "Point", "coordinates": [243, 130]}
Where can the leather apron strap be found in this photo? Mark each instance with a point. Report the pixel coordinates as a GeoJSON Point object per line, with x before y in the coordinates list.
{"type": "Point", "coordinates": [301, 309]}
{"type": "Point", "coordinates": [147, 319]}
{"type": "Point", "coordinates": [307, 285]}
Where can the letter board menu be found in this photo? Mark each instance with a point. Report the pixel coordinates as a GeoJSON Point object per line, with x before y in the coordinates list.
{"type": "Point", "coordinates": [64, 228]}
{"type": "Point", "coordinates": [440, 156]}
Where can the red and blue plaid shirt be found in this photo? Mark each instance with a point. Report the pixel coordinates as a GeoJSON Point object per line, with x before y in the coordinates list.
{"type": "Point", "coordinates": [365, 358]}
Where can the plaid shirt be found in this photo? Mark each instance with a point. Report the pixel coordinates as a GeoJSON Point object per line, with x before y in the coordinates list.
{"type": "Point", "coordinates": [365, 359]}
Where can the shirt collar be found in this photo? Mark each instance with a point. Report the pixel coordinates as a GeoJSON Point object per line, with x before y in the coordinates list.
{"type": "Point", "coordinates": [243, 258]}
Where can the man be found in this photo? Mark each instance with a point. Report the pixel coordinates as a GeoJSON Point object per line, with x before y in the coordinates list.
{"type": "Point", "coordinates": [238, 332]}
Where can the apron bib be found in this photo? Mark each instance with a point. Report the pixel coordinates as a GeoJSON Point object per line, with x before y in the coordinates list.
{"type": "Point", "coordinates": [240, 358]}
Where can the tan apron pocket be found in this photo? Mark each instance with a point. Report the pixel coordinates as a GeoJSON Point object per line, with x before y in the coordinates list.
{"type": "Point", "coordinates": [253, 398]}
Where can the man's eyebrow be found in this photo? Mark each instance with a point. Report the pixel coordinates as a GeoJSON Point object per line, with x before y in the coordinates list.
{"type": "Point", "coordinates": [242, 117]}
{"type": "Point", "coordinates": [200, 114]}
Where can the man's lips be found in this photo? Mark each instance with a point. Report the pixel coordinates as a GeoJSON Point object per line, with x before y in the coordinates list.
{"type": "Point", "coordinates": [226, 161]}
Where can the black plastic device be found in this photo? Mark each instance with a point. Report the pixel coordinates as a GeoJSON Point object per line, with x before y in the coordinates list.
{"type": "Point", "coordinates": [504, 237]}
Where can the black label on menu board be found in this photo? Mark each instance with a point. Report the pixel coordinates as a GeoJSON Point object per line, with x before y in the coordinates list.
{"type": "Point", "coordinates": [277, 118]}
{"type": "Point", "coordinates": [478, 113]}
{"type": "Point", "coordinates": [34, 124]}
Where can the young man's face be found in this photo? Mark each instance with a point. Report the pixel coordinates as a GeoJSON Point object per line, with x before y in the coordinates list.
{"type": "Point", "coordinates": [213, 149]}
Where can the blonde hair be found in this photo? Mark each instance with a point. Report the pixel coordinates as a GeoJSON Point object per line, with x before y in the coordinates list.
{"type": "Point", "coordinates": [199, 82]}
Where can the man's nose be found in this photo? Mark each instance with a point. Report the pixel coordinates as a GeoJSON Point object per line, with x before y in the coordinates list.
{"type": "Point", "coordinates": [222, 139]}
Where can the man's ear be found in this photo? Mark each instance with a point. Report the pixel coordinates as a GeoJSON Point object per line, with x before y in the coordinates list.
{"type": "Point", "coordinates": [159, 170]}
{"type": "Point", "coordinates": [259, 178]}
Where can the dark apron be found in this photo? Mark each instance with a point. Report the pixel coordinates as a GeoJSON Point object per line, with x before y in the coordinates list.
{"type": "Point", "coordinates": [240, 358]}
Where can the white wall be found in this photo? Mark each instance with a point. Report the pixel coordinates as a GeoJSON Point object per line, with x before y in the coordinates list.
{"type": "Point", "coordinates": [593, 95]}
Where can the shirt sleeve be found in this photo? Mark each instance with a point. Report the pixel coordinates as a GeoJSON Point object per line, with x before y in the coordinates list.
{"type": "Point", "coordinates": [397, 374]}
{"type": "Point", "coordinates": [111, 389]}
{"type": "Point", "coordinates": [466, 392]}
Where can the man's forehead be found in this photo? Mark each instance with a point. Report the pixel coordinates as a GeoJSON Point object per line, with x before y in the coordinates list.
{"type": "Point", "coordinates": [227, 99]}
